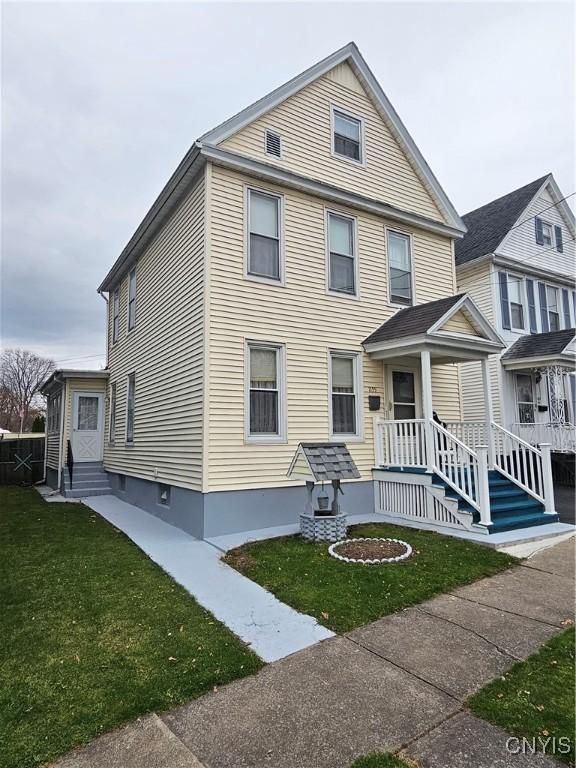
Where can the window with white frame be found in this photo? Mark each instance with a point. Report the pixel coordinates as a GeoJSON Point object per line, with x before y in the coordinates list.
{"type": "Point", "coordinates": [347, 136]}
{"type": "Point", "coordinates": [547, 233]}
{"type": "Point", "coordinates": [265, 392]}
{"type": "Point", "coordinates": [112, 415]}
{"type": "Point", "coordinates": [553, 308]}
{"type": "Point", "coordinates": [115, 315]}
{"type": "Point", "coordinates": [400, 268]}
{"type": "Point", "coordinates": [130, 407]}
{"type": "Point", "coordinates": [54, 412]}
{"type": "Point", "coordinates": [516, 302]}
{"type": "Point", "coordinates": [344, 394]}
{"type": "Point", "coordinates": [264, 235]}
{"type": "Point", "coordinates": [341, 254]}
{"type": "Point", "coordinates": [132, 299]}
{"type": "Point", "coordinates": [525, 398]}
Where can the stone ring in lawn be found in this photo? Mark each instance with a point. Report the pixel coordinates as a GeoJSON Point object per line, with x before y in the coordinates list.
{"type": "Point", "coordinates": [370, 551]}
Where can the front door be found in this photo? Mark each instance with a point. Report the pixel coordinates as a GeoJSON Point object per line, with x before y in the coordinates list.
{"type": "Point", "coordinates": [87, 422]}
{"type": "Point", "coordinates": [404, 394]}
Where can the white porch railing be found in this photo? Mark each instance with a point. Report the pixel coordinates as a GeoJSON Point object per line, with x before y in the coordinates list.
{"type": "Point", "coordinates": [400, 443]}
{"type": "Point", "coordinates": [562, 437]}
{"type": "Point", "coordinates": [471, 433]}
{"type": "Point", "coordinates": [459, 467]}
{"type": "Point", "coordinates": [527, 466]}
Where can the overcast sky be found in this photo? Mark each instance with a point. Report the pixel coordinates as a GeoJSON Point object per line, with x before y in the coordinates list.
{"type": "Point", "coordinates": [101, 101]}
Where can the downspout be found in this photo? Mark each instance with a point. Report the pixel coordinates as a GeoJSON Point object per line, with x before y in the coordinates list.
{"type": "Point", "coordinates": [107, 323]}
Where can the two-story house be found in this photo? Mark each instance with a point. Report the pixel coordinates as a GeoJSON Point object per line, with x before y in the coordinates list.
{"type": "Point", "coordinates": [293, 282]}
{"type": "Point", "coordinates": [518, 262]}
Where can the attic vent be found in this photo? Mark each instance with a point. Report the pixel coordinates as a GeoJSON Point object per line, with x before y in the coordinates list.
{"type": "Point", "coordinates": [273, 144]}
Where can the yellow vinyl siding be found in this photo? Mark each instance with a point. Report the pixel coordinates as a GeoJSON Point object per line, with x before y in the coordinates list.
{"type": "Point", "coordinates": [165, 352]}
{"type": "Point", "coordinates": [459, 323]}
{"type": "Point", "coordinates": [304, 123]}
{"type": "Point", "coordinates": [478, 282]}
{"type": "Point", "coordinates": [308, 321]}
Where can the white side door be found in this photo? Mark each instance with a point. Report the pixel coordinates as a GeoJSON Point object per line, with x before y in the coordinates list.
{"type": "Point", "coordinates": [87, 426]}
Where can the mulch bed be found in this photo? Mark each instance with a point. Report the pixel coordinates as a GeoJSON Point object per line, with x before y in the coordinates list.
{"type": "Point", "coordinates": [370, 549]}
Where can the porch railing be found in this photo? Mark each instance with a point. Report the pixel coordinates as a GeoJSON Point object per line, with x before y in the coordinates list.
{"type": "Point", "coordinates": [527, 466]}
{"type": "Point", "coordinates": [400, 443]}
{"type": "Point", "coordinates": [459, 467]}
{"type": "Point", "coordinates": [562, 437]}
{"type": "Point", "coordinates": [471, 433]}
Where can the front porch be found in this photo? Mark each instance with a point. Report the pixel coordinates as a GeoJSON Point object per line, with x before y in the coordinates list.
{"type": "Point", "coordinates": [478, 476]}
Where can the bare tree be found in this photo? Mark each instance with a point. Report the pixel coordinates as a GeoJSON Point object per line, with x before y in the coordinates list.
{"type": "Point", "coordinates": [21, 374]}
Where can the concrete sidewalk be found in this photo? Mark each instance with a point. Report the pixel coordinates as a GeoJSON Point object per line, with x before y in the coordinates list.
{"type": "Point", "coordinates": [398, 684]}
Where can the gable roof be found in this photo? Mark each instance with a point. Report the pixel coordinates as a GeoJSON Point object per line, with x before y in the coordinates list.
{"type": "Point", "coordinates": [413, 320]}
{"type": "Point", "coordinates": [324, 461]}
{"type": "Point", "coordinates": [350, 54]}
{"type": "Point", "coordinates": [540, 345]}
{"type": "Point", "coordinates": [489, 224]}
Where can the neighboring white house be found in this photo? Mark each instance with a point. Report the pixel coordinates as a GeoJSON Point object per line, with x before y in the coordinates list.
{"type": "Point", "coordinates": [294, 282]}
{"type": "Point", "coordinates": [517, 261]}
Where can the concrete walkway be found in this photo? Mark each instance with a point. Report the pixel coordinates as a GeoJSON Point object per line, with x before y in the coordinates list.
{"type": "Point", "coordinates": [400, 683]}
{"type": "Point", "coordinates": [272, 629]}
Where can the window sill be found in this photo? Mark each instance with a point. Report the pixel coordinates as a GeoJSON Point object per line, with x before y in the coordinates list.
{"type": "Point", "coordinates": [128, 444]}
{"type": "Point", "coordinates": [342, 294]}
{"type": "Point", "coordinates": [265, 280]}
{"type": "Point", "coordinates": [346, 438]}
{"type": "Point", "coordinates": [350, 160]}
{"type": "Point", "coordinates": [396, 305]}
{"type": "Point", "coordinates": [253, 440]}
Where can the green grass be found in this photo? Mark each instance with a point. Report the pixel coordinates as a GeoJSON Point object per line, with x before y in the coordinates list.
{"type": "Point", "coordinates": [93, 633]}
{"type": "Point", "coordinates": [536, 697]}
{"type": "Point", "coordinates": [379, 760]}
{"type": "Point", "coordinates": [343, 596]}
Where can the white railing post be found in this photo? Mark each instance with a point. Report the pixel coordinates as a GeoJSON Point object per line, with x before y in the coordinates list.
{"type": "Point", "coordinates": [547, 482]}
{"type": "Point", "coordinates": [378, 442]}
{"type": "Point", "coordinates": [483, 486]}
{"type": "Point", "coordinates": [427, 407]}
{"type": "Point", "coordinates": [488, 412]}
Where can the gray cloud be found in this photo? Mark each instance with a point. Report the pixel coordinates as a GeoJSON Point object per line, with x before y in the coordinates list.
{"type": "Point", "coordinates": [100, 102]}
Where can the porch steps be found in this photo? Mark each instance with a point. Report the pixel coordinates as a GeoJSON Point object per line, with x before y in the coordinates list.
{"type": "Point", "coordinates": [88, 479]}
{"type": "Point", "coordinates": [510, 506]}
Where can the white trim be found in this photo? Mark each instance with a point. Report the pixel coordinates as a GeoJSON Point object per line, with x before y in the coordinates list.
{"type": "Point", "coordinates": [416, 371]}
{"type": "Point", "coordinates": [559, 307]}
{"type": "Point", "coordinates": [524, 303]}
{"type": "Point", "coordinates": [351, 54]}
{"type": "Point", "coordinates": [356, 357]}
{"type": "Point", "coordinates": [331, 291]}
{"type": "Point", "coordinates": [76, 394]}
{"type": "Point", "coordinates": [116, 314]}
{"type": "Point", "coordinates": [552, 238]}
{"type": "Point", "coordinates": [410, 237]}
{"type": "Point", "coordinates": [112, 388]}
{"type": "Point", "coordinates": [273, 132]}
{"type": "Point", "coordinates": [346, 114]}
{"type": "Point", "coordinates": [248, 188]}
{"type": "Point", "coordinates": [126, 441]}
{"type": "Point", "coordinates": [280, 349]}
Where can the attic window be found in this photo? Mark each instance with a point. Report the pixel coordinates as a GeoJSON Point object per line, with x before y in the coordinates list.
{"type": "Point", "coordinates": [347, 136]}
{"type": "Point", "coordinates": [273, 144]}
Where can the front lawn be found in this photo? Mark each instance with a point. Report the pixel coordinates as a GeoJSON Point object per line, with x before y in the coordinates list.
{"type": "Point", "coordinates": [93, 633]}
{"type": "Point", "coordinates": [535, 698]}
{"type": "Point", "coordinates": [343, 596]}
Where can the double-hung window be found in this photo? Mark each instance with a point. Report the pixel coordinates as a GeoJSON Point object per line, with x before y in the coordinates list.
{"type": "Point", "coordinates": [544, 232]}
{"type": "Point", "coordinates": [400, 268]}
{"type": "Point", "coordinates": [525, 398]}
{"type": "Point", "coordinates": [344, 394]}
{"type": "Point", "coordinates": [264, 226]}
{"type": "Point", "coordinates": [553, 308]}
{"type": "Point", "coordinates": [516, 301]}
{"type": "Point", "coordinates": [112, 421]}
{"type": "Point", "coordinates": [132, 299]}
{"type": "Point", "coordinates": [265, 372]}
{"type": "Point", "coordinates": [341, 254]}
{"type": "Point", "coordinates": [130, 403]}
{"type": "Point", "coordinates": [347, 136]}
{"type": "Point", "coordinates": [115, 315]}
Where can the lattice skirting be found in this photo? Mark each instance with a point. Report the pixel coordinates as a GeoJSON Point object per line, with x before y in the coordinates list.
{"type": "Point", "coordinates": [329, 528]}
{"type": "Point", "coordinates": [418, 502]}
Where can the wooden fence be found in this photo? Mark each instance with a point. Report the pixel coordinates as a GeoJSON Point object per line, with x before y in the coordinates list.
{"type": "Point", "coordinates": [21, 460]}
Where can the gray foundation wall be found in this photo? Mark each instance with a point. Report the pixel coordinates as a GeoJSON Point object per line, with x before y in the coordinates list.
{"type": "Point", "coordinates": [204, 515]}
{"type": "Point", "coordinates": [52, 478]}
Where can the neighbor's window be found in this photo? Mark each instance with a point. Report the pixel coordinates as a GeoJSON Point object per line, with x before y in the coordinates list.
{"type": "Point", "coordinates": [130, 400]}
{"type": "Point", "coordinates": [54, 413]}
{"type": "Point", "coordinates": [544, 232]}
{"type": "Point", "coordinates": [263, 235]}
{"type": "Point", "coordinates": [347, 136]}
{"type": "Point", "coordinates": [341, 249]}
{"type": "Point", "coordinates": [525, 398]}
{"type": "Point", "coordinates": [515, 298]}
{"type": "Point", "coordinates": [265, 391]}
{"type": "Point", "coordinates": [344, 393]}
{"type": "Point", "coordinates": [553, 308]}
{"type": "Point", "coordinates": [115, 315]}
{"type": "Point", "coordinates": [112, 421]}
{"type": "Point", "coordinates": [132, 299]}
{"type": "Point", "coordinates": [400, 268]}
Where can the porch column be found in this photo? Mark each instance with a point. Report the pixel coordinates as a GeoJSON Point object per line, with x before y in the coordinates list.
{"type": "Point", "coordinates": [427, 408]}
{"type": "Point", "coordinates": [488, 412]}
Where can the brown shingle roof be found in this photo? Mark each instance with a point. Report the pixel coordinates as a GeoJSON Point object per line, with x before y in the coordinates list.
{"type": "Point", "coordinates": [413, 320]}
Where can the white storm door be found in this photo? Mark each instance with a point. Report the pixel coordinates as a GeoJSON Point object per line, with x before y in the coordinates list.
{"type": "Point", "coordinates": [87, 426]}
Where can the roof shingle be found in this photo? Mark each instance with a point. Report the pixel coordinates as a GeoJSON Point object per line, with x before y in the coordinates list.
{"type": "Point", "coordinates": [540, 344]}
{"type": "Point", "coordinates": [488, 225]}
{"type": "Point", "coordinates": [330, 461]}
{"type": "Point", "coordinates": [413, 320]}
